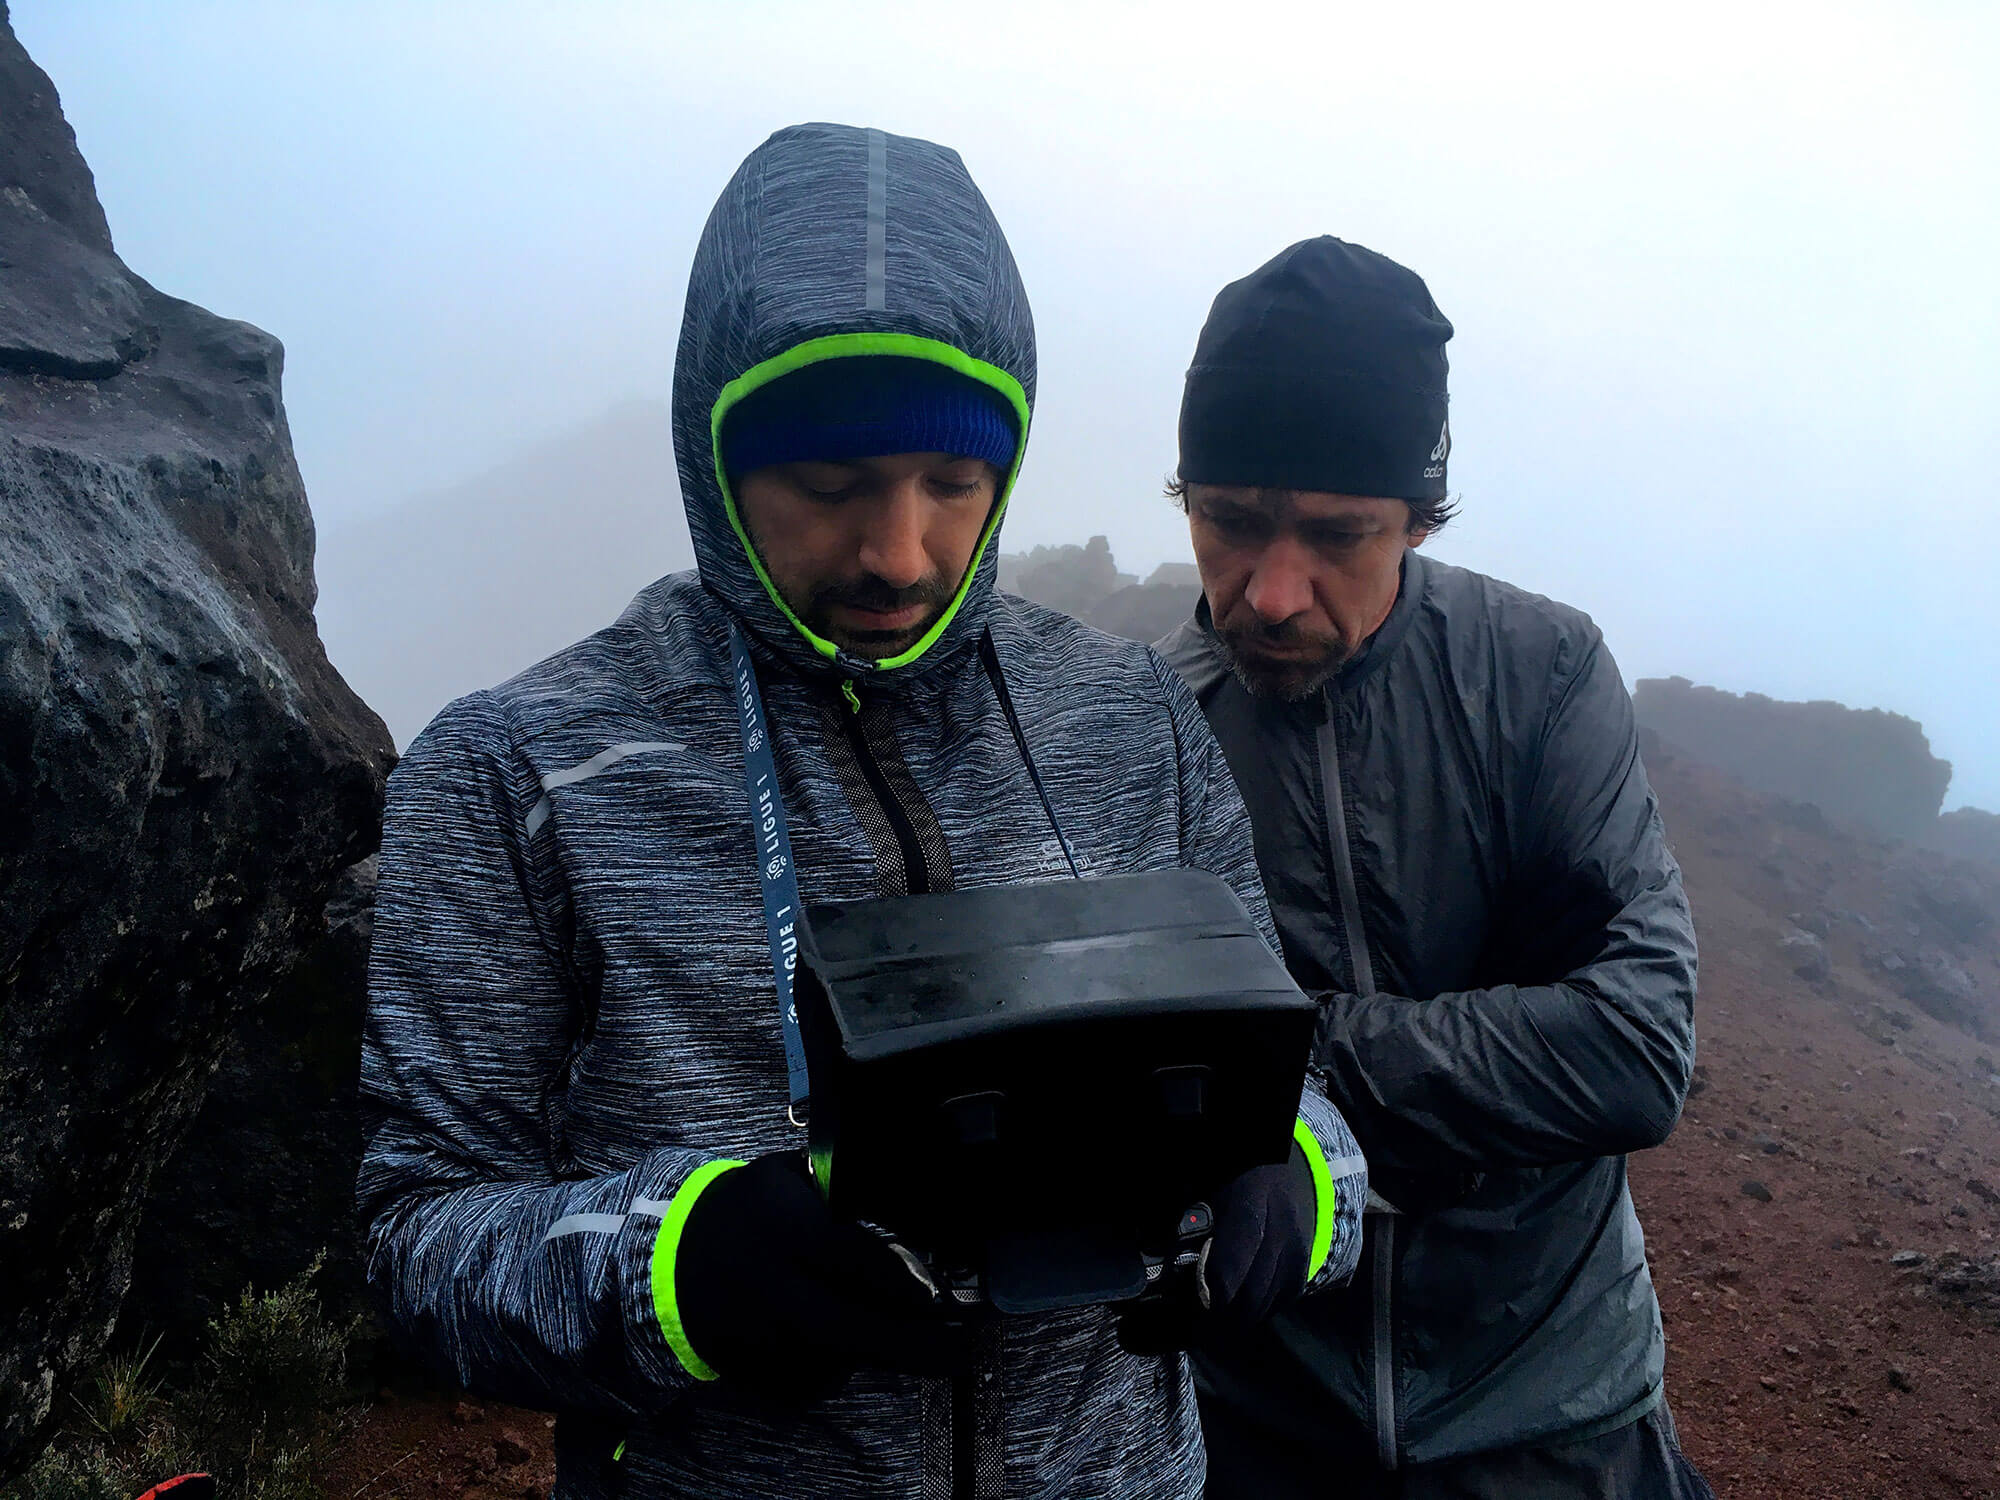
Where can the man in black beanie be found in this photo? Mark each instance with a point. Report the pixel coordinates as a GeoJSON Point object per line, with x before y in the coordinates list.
{"type": "Point", "coordinates": [1466, 865]}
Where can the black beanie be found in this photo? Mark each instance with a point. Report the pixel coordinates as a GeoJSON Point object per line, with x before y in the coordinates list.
{"type": "Point", "coordinates": [1323, 369]}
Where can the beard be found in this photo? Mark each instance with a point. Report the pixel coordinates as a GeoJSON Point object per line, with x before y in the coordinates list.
{"type": "Point", "coordinates": [1281, 662]}
{"type": "Point", "coordinates": [872, 593]}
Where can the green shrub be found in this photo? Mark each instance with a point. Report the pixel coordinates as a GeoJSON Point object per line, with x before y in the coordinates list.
{"type": "Point", "coordinates": [274, 1365]}
{"type": "Point", "coordinates": [284, 1474]}
{"type": "Point", "coordinates": [256, 1411]}
{"type": "Point", "coordinates": [165, 1450]}
{"type": "Point", "coordinates": [83, 1472]}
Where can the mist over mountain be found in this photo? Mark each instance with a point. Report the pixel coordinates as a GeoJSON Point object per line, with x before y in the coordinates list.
{"type": "Point", "coordinates": [1968, 832]}
{"type": "Point", "coordinates": [458, 589]}
{"type": "Point", "coordinates": [461, 588]}
{"type": "Point", "coordinates": [1861, 766]}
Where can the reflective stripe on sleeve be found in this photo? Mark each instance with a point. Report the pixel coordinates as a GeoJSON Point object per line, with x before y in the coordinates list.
{"type": "Point", "coordinates": [1324, 1200]}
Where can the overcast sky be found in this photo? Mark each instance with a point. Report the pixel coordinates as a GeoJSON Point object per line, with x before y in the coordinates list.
{"type": "Point", "coordinates": [1728, 352]}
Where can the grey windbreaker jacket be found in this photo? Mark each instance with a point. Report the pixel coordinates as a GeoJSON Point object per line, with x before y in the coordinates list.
{"type": "Point", "coordinates": [1465, 859]}
{"type": "Point", "coordinates": [572, 1016]}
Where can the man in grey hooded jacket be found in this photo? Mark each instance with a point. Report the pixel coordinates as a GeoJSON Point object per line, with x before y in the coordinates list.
{"type": "Point", "coordinates": [1466, 864]}
{"type": "Point", "coordinates": [584, 1190]}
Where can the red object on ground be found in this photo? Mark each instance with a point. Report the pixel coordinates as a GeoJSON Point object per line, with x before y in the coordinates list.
{"type": "Point", "coordinates": [183, 1487]}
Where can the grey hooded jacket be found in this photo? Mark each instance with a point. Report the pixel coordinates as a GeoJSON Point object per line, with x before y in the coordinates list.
{"type": "Point", "coordinates": [1465, 859]}
{"type": "Point", "coordinates": [572, 1016]}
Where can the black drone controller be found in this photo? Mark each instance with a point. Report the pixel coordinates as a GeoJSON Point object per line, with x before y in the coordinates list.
{"type": "Point", "coordinates": [1040, 1273]}
{"type": "Point", "coordinates": [1036, 1090]}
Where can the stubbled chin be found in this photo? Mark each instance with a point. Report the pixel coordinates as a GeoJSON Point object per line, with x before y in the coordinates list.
{"type": "Point", "coordinates": [1287, 681]}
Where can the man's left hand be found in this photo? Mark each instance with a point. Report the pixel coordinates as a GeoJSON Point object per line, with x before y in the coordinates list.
{"type": "Point", "coordinates": [1253, 1266]}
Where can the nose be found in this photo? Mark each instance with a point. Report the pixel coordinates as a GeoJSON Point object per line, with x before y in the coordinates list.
{"type": "Point", "coordinates": [892, 542]}
{"type": "Point", "coordinates": [1281, 584]}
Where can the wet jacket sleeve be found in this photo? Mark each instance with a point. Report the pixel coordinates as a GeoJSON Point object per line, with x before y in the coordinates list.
{"type": "Point", "coordinates": [1590, 1056]}
{"type": "Point", "coordinates": [1215, 836]}
{"type": "Point", "coordinates": [492, 1260]}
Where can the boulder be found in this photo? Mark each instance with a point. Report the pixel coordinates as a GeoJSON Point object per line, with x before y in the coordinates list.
{"type": "Point", "coordinates": [1806, 953]}
{"type": "Point", "coordinates": [264, 1182]}
{"type": "Point", "coordinates": [1934, 983]}
{"type": "Point", "coordinates": [182, 775]}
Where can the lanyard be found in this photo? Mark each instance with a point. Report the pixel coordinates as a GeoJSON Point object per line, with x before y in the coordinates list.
{"type": "Point", "coordinates": [775, 870]}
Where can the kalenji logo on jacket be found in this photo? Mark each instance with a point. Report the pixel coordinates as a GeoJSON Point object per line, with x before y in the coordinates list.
{"type": "Point", "coordinates": [1440, 452]}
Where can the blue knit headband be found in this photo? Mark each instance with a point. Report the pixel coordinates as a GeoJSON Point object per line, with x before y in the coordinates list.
{"type": "Point", "coordinates": [864, 406]}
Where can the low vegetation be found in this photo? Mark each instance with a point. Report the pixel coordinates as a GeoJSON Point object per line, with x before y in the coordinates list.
{"type": "Point", "coordinates": [256, 1409]}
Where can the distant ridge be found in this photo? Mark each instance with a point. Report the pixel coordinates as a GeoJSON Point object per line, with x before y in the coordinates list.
{"type": "Point", "coordinates": [1862, 766]}
{"type": "Point", "coordinates": [458, 589]}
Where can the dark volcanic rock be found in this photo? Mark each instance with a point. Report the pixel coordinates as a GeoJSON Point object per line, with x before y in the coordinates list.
{"type": "Point", "coordinates": [1934, 983]}
{"type": "Point", "coordinates": [265, 1179]}
{"type": "Point", "coordinates": [38, 149]}
{"type": "Point", "coordinates": [1970, 1283]}
{"type": "Point", "coordinates": [182, 775]}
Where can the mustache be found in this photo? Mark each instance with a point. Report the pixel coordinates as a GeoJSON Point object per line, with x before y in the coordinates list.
{"type": "Point", "coordinates": [1285, 633]}
{"type": "Point", "coordinates": [875, 593]}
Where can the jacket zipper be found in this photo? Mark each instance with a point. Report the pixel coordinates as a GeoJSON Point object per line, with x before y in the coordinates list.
{"type": "Point", "coordinates": [1363, 974]}
{"type": "Point", "coordinates": [916, 874]}
{"type": "Point", "coordinates": [963, 1402]}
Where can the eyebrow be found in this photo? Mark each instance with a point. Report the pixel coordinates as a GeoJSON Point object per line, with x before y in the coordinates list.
{"type": "Point", "coordinates": [1278, 507]}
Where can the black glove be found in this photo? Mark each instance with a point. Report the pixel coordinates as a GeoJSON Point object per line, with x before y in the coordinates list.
{"type": "Point", "coordinates": [1253, 1266]}
{"type": "Point", "coordinates": [778, 1296]}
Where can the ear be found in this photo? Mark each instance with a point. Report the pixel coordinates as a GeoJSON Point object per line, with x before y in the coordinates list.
{"type": "Point", "coordinates": [1416, 536]}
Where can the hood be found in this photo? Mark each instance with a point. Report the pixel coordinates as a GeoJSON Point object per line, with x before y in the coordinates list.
{"type": "Point", "coordinates": [834, 242]}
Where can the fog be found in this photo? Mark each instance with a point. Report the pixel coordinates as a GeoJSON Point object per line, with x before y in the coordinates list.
{"type": "Point", "coordinates": [1728, 345]}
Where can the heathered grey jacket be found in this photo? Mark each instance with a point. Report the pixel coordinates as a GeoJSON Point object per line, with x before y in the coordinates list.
{"type": "Point", "coordinates": [1466, 861]}
{"type": "Point", "coordinates": [572, 1010]}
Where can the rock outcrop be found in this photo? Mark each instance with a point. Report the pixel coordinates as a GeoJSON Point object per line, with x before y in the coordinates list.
{"type": "Point", "coordinates": [1860, 766]}
{"type": "Point", "coordinates": [1085, 582]}
{"type": "Point", "coordinates": [182, 775]}
{"type": "Point", "coordinates": [1068, 578]}
{"type": "Point", "coordinates": [264, 1181]}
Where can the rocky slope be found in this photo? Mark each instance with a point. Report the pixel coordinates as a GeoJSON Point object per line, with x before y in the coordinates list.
{"type": "Point", "coordinates": [182, 775]}
{"type": "Point", "coordinates": [1823, 1226]}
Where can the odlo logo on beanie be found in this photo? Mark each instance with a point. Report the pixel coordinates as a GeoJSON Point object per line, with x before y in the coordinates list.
{"type": "Point", "coordinates": [1440, 453]}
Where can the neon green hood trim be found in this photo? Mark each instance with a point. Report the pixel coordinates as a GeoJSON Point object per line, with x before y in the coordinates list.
{"type": "Point", "coordinates": [849, 346]}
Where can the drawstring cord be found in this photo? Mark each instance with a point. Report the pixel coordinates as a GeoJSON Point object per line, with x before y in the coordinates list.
{"type": "Point", "coordinates": [990, 655]}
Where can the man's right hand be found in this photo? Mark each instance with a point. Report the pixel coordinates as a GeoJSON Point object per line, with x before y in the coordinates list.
{"type": "Point", "coordinates": [778, 1296]}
